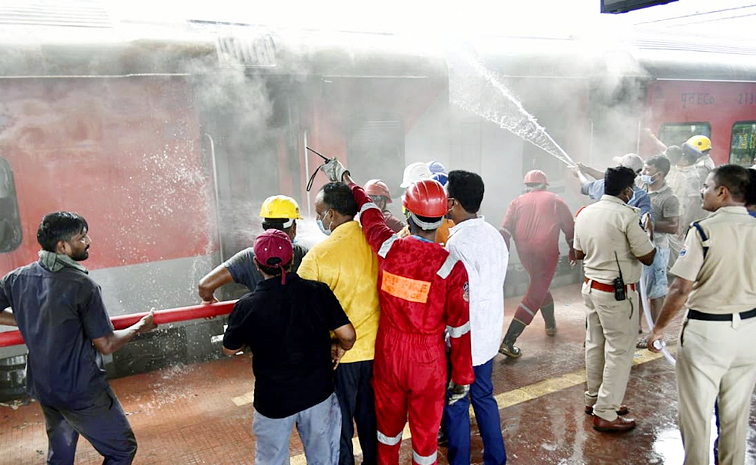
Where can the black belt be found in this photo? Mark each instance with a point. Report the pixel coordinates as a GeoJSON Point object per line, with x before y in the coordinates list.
{"type": "Point", "coordinates": [696, 315]}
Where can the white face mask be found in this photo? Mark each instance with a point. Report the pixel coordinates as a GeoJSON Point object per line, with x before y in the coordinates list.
{"type": "Point", "coordinates": [322, 227]}
{"type": "Point", "coordinates": [647, 178]}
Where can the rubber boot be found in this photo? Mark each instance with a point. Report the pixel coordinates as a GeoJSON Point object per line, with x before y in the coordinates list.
{"type": "Point", "coordinates": [507, 347]}
{"type": "Point", "coordinates": [547, 311]}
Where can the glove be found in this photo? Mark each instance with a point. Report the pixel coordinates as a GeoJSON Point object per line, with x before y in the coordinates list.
{"type": "Point", "coordinates": [456, 392]}
{"type": "Point", "coordinates": [334, 170]}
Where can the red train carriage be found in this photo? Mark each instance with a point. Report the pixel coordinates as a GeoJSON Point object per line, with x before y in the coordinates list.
{"type": "Point", "coordinates": [168, 147]}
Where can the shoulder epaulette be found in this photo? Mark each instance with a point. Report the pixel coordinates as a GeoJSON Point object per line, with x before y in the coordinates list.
{"type": "Point", "coordinates": [702, 234]}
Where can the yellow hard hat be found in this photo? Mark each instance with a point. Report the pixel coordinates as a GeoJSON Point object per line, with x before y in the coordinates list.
{"type": "Point", "coordinates": [280, 206]}
{"type": "Point", "coordinates": [702, 143]}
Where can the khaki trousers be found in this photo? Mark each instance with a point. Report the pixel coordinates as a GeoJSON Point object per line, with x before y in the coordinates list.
{"type": "Point", "coordinates": [716, 359]}
{"type": "Point", "coordinates": [609, 348]}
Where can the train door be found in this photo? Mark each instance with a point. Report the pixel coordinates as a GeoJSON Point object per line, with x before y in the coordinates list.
{"type": "Point", "coordinates": [375, 143]}
{"type": "Point", "coordinates": [10, 221]}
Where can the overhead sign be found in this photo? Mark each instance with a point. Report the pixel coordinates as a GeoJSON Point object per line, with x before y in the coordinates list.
{"type": "Point", "coordinates": [623, 6]}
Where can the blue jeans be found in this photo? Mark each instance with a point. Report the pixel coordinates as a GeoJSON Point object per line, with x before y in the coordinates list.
{"type": "Point", "coordinates": [457, 421]}
{"type": "Point", "coordinates": [103, 424]}
{"type": "Point", "coordinates": [656, 274]}
{"type": "Point", "coordinates": [319, 429]}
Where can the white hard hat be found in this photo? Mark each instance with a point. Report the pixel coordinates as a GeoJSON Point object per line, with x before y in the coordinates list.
{"type": "Point", "coordinates": [630, 160]}
{"type": "Point", "coordinates": [415, 172]}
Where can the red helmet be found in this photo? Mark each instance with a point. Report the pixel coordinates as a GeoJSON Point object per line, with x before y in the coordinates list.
{"type": "Point", "coordinates": [377, 187]}
{"type": "Point", "coordinates": [535, 177]}
{"type": "Point", "coordinates": [426, 198]}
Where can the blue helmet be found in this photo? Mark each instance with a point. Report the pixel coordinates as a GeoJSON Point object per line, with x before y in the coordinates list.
{"type": "Point", "coordinates": [442, 178]}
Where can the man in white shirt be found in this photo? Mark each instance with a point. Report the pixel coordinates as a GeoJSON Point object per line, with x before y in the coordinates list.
{"type": "Point", "coordinates": [481, 248]}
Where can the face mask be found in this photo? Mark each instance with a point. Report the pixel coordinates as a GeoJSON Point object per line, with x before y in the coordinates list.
{"type": "Point", "coordinates": [647, 179]}
{"type": "Point", "coordinates": [322, 227]}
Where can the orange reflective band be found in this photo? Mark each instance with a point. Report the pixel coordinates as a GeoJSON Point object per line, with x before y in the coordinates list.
{"type": "Point", "coordinates": [405, 288]}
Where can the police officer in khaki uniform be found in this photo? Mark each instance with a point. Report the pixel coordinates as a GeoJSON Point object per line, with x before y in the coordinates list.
{"type": "Point", "coordinates": [716, 281]}
{"type": "Point", "coordinates": [612, 245]}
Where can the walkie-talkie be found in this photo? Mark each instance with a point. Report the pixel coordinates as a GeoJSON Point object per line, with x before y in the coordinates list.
{"type": "Point", "coordinates": [619, 283]}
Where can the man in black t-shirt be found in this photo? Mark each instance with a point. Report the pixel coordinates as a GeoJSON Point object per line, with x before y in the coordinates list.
{"type": "Point", "coordinates": [285, 322]}
{"type": "Point", "coordinates": [62, 318]}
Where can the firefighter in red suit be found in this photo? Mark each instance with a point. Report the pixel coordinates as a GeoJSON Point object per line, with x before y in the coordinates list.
{"type": "Point", "coordinates": [534, 220]}
{"type": "Point", "coordinates": [423, 292]}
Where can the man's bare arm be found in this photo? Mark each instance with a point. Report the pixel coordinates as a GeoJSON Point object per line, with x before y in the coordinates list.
{"type": "Point", "coordinates": [345, 338]}
{"type": "Point", "coordinates": [648, 259]}
{"type": "Point", "coordinates": [593, 172]}
{"type": "Point", "coordinates": [106, 345]}
{"type": "Point", "coordinates": [677, 295]}
{"type": "Point", "coordinates": [218, 277]}
{"type": "Point", "coordinates": [7, 318]}
{"type": "Point", "coordinates": [234, 351]}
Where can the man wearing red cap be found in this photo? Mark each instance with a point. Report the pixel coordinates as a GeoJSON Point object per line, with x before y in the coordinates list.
{"type": "Point", "coordinates": [285, 322]}
{"type": "Point", "coordinates": [534, 220]}
{"type": "Point", "coordinates": [379, 192]}
{"type": "Point", "coordinates": [422, 291]}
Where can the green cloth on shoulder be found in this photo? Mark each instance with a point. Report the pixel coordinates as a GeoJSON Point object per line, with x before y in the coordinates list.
{"type": "Point", "coordinates": [55, 262]}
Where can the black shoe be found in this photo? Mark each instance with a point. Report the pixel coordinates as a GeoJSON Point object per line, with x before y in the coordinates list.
{"type": "Point", "coordinates": [442, 439]}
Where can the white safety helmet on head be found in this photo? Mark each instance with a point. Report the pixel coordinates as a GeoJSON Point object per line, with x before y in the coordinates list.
{"type": "Point", "coordinates": [630, 160]}
{"type": "Point", "coordinates": [415, 172]}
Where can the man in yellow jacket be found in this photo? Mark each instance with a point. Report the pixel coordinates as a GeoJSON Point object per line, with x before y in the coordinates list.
{"type": "Point", "coordinates": [346, 263]}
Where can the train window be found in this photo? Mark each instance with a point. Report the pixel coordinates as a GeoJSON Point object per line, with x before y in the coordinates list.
{"type": "Point", "coordinates": [678, 133]}
{"type": "Point", "coordinates": [743, 143]}
{"type": "Point", "coordinates": [10, 221]}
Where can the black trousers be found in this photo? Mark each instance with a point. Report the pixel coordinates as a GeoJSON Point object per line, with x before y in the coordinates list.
{"type": "Point", "coordinates": [357, 401]}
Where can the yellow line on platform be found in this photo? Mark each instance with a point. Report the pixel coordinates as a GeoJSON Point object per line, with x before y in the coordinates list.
{"type": "Point", "coordinates": [516, 396]}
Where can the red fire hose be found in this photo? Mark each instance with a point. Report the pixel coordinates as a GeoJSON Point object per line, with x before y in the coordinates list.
{"type": "Point", "coordinates": [171, 315]}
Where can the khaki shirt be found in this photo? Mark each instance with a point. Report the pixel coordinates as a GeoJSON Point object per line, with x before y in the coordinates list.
{"type": "Point", "coordinates": [724, 281]}
{"type": "Point", "coordinates": [606, 227]}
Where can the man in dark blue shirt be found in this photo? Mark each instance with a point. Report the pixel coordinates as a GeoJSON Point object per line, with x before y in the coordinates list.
{"type": "Point", "coordinates": [62, 318]}
{"type": "Point", "coordinates": [285, 322]}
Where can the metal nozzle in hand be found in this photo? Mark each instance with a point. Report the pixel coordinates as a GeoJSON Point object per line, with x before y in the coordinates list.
{"type": "Point", "coordinates": [456, 392]}
{"type": "Point", "coordinates": [659, 344]}
{"type": "Point", "coordinates": [332, 168]}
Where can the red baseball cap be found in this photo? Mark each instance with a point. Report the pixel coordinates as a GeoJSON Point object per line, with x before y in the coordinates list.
{"type": "Point", "coordinates": [273, 248]}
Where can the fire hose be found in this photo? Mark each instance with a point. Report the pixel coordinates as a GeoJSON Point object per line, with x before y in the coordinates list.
{"type": "Point", "coordinates": [171, 315]}
{"type": "Point", "coordinates": [650, 321]}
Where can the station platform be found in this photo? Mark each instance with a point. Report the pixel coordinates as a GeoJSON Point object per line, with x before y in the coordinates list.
{"type": "Point", "coordinates": [202, 413]}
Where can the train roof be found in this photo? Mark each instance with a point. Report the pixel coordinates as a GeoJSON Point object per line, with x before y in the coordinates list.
{"type": "Point", "coordinates": [64, 48]}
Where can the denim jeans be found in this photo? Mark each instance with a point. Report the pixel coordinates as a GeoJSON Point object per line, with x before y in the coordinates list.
{"type": "Point", "coordinates": [319, 429]}
{"type": "Point", "coordinates": [457, 421]}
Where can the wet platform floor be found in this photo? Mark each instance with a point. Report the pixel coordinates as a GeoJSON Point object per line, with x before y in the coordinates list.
{"type": "Point", "coordinates": [202, 413]}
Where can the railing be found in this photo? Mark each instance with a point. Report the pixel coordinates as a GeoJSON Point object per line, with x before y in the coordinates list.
{"type": "Point", "coordinates": [171, 315]}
